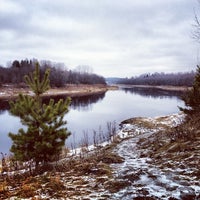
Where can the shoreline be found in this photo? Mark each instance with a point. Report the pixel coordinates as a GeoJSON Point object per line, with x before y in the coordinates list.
{"type": "Point", "coordinates": [9, 92]}
{"type": "Point", "coordinates": [162, 87]}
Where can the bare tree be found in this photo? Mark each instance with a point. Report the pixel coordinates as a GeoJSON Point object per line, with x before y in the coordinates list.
{"type": "Point", "coordinates": [60, 75]}
{"type": "Point", "coordinates": [196, 31]}
{"type": "Point", "coordinates": [82, 69]}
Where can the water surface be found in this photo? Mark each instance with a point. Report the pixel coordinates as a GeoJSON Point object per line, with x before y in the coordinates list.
{"type": "Point", "coordinates": [92, 112]}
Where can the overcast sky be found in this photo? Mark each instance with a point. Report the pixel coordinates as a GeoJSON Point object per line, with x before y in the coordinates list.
{"type": "Point", "coordinates": [114, 37]}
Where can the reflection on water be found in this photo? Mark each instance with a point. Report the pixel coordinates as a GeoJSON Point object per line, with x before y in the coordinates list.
{"type": "Point", "coordinates": [91, 112]}
{"type": "Point", "coordinates": [153, 92]}
{"type": "Point", "coordinates": [77, 103]}
{"type": "Point", "coordinates": [85, 102]}
{"type": "Point", "coordinates": [4, 105]}
{"type": "Point", "coordinates": [12, 124]}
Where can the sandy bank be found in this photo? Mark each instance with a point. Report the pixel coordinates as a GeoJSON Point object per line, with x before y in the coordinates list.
{"type": "Point", "coordinates": [11, 92]}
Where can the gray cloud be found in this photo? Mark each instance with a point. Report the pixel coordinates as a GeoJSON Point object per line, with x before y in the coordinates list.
{"type": "Point", "coordinates": [114, 37]}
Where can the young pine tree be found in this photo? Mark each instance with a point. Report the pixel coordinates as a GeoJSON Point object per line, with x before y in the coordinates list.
{"type": "Point", "coordinates": [192, 97]}
{"type": "Point", "coordinates": [45, 134]}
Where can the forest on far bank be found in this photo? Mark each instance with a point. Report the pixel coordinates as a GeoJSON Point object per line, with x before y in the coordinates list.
{"type": "Point", "coordinates": [173, 79]}
{"type": "Point", "coordinates": [59, 74]}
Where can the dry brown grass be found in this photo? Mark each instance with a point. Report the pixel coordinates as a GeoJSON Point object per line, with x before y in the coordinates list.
{"type": "Point", "coordinates": [115, 185]}
{"type": "Point", "coordinates": [12, 91]}
{"type": "Point", "coordinates": [56, 180]}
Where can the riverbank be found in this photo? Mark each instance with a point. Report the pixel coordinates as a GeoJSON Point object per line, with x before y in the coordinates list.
{"type": "Point", "coordinates": [8, 92]}
{"type": "Point", "coordinates": [142, 162]}
{"type": "Point", "coordinates": [161, 166]}
{"type": "Point", "coordinates": [162, 87]}
{"type": "Point", "coordinates": [71, 90]}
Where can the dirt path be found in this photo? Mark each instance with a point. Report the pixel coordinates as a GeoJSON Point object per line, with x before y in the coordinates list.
{"type": "Point", "coordinates": [148, 180]}
{"type": "Point", "coordinates": [144, 176]}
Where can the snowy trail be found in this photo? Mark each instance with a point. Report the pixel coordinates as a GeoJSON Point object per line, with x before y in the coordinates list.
{"type": "Point", "coordinates": [148, 180]}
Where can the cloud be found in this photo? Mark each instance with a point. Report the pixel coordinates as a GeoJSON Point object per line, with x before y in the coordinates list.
{"type": "Point", "coordinates": [114, 37]}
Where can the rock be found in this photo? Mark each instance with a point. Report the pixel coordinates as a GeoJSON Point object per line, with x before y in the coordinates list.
{"type": "Point", "coordinates": [188, 194]}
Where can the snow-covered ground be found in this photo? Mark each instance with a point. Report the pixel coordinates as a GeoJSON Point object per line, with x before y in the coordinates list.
{"type": "Point", "coordinates": [145, 177]}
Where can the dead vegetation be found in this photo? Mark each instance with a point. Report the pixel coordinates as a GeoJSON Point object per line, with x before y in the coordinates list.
{"type": "Point", "coordinates": [69, 178]}
{"type": "Point", "coordinates": [176, 147]}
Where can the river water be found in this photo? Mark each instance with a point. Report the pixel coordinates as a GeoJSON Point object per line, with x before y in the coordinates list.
{"type": "Point", "coordinates": [93, 112]}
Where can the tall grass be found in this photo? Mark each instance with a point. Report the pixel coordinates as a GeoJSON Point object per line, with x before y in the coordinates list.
{"type": "Point", "coordinates": [95, 139]}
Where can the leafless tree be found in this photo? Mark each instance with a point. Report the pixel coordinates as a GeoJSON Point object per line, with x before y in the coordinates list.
{"type": "Point", "coordinates": [196, 31]}
{"type": "Point", "coordinates": [59, 76]}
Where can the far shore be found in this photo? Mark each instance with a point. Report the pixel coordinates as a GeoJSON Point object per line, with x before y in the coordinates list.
{"type": "Point", "coordinates": [163, 87]}
{"type": "Point", "coordinates": [71, 90]}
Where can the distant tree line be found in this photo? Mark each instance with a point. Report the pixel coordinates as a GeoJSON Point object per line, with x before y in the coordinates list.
{"type": "Point", "coordinates": [59, 76]}
{"type": "Point", "coordinates": [174, 79]}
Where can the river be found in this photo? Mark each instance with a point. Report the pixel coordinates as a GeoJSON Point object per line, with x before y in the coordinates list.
{"type": "Point", "coordinates": [93, 112]}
